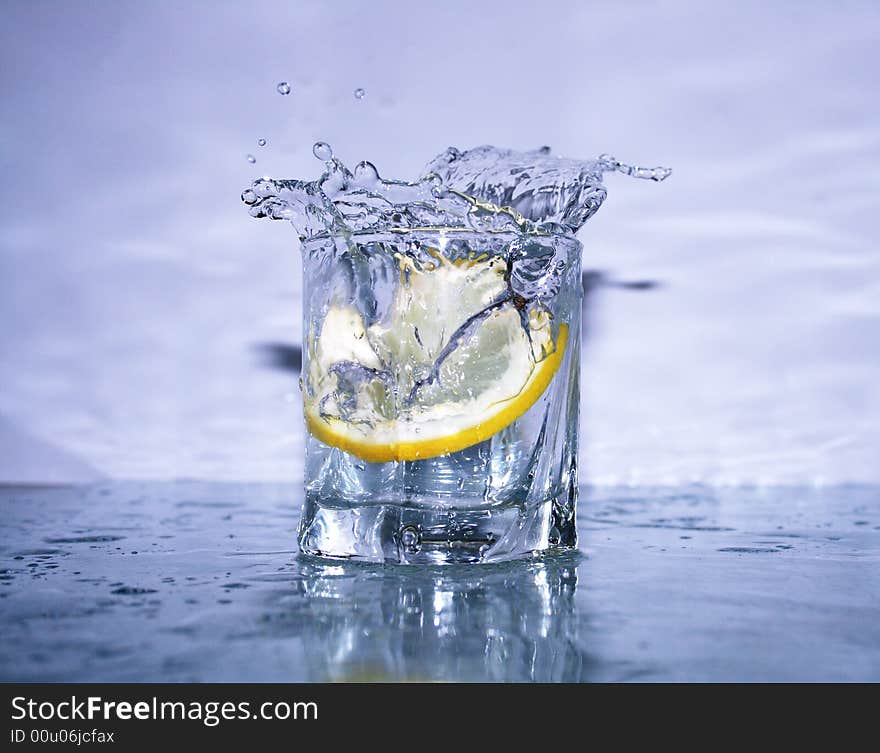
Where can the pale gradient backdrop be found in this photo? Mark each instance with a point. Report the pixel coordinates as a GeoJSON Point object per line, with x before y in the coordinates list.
{"type": "Point", "coordinates": [135, 290]}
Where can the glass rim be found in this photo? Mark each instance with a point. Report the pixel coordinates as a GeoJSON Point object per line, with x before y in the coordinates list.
{"type": "Point", "coordinates": [392, 233]}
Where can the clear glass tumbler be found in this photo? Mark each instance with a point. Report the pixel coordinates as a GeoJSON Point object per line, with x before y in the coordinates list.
{"type": "Point", "coordinates": [440, 391]}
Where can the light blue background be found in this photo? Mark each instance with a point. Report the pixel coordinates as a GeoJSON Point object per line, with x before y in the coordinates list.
{"type": "Point", "coordinates": [134, 287]}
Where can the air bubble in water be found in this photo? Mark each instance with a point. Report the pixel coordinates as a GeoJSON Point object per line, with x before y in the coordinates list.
{"type": "Point", "coordinates": [250, 158]}
{"type": "Point", "coordinates": [322, 151]}
{"type": "Point", "coordinates": [359, 93]}
{"type": "Point", "coordinates": [537, 270]}
{"type": "Point", "coordinates": [261, 142]}
{"type": "Point", "coordinates": [283, 88]}
{"type": "Point", "coordinates": [410, 538]}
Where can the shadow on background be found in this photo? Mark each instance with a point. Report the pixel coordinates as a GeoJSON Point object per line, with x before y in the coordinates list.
{"type": "Point", "coordinates": [280, 356]}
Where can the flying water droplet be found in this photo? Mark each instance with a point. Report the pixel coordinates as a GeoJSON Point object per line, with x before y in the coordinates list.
{"type": "Point", "coordinates": [322, 151]}
{"type": "Point", "coordinates": [261, 142]}
{"type": "Point", "coordinates": [283, 88]}
{"type": "Point", "coordinates": [359, 93]}
{"type": "Point", "coordinates": [251, 158]}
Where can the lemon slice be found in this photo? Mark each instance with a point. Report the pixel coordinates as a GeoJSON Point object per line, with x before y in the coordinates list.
{"type": "Point", "coordinates": [379, 392]}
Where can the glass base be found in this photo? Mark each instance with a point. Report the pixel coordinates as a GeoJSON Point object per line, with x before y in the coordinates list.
{"type": "Point", "coordinates": [400, 534]}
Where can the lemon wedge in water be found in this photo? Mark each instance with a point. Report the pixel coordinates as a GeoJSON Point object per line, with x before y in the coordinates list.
{"type": "Point", "coordinates": [452, 363]}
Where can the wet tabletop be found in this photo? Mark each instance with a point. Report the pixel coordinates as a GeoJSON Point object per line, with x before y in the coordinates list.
{"type": "Point", "coordinates": [202, 582]}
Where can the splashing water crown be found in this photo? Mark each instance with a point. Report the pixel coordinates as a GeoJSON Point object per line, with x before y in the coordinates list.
{"type": "Point", "coordinates": [484, 189]}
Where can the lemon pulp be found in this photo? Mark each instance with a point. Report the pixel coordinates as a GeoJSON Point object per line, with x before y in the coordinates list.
{"type": "Point", "coordinates": [384, 393]}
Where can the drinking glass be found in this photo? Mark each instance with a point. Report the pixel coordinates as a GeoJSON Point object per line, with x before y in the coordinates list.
{"type": "Point", "coordinates": [440, 387]}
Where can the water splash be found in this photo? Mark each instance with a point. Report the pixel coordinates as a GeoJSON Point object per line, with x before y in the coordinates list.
{"type": "Point", "coordinates": [647, 173]}
{"type": "Point", "coordinates": [485, 189]}
{"type": "Point", "coordinates": [541, 186]}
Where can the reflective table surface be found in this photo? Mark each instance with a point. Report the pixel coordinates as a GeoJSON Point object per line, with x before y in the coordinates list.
{"type": "Point", "coordinates": [192, 581]}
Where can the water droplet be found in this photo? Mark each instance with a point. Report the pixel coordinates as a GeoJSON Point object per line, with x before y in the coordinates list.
{"type": "Point", "coordinates": [366, 172]}
{"type": "Point", "coordinates": [359, 93]}
{"type": "Point", "coordinates": [322, 151]}
{"type": "Point", "coordinates": [460, 484]}
{"type": "Point", "coordinates": [251, 158]}
{"type": "Point", "coordinates": [261, 142]}
{"type": "Point", "coordinates": [283, 88]}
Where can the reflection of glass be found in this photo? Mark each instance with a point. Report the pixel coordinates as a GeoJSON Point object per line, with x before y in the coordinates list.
{"type": "Point", "coordinates": [440, 384]}
{"type": "Point", "coordinates": [513, 622]}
